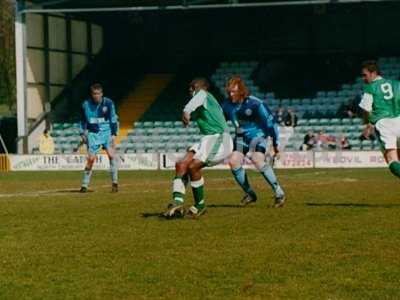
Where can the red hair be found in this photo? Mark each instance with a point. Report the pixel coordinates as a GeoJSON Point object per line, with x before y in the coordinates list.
{"type": "Point", "coordinates": [237, 81]}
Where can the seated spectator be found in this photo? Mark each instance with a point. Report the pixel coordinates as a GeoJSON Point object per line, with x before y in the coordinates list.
{"type": "Point", "coordinates": [280, 116]}
{"type": "Point", "coordinates": [322, 140]}
{"type": "Point", "coordinates": [46, 143]}
{"type": "Point", "coordinates": [309, 141]}
{"type": "Point", "coordinates": [331, 142]}
{"type": "Point", "coordinates": [368, 133]}
{"type": "Point", "coordinates": [344, 143]}
{"type": "Point", "coordinates": [325, 141]}
{"type": "Point", "coordinates": [290, 118]}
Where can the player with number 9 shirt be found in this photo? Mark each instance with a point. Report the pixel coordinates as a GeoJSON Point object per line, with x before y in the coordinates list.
{"type": "Point", "coordinates": [381, 104]}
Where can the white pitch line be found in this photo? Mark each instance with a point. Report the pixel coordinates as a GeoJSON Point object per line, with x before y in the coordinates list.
{"type": "Point", "coordinates": [70, 190]}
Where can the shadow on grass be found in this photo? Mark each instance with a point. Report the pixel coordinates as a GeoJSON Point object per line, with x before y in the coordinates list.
{"type": "Point", "coordinates": [160, 215]}
{"type": "Point", "coordinates": [226, 206]}
{"type": "Point", "coordinates": [353, 205]}
{"type": "Point", "coordinates": [151, 215]}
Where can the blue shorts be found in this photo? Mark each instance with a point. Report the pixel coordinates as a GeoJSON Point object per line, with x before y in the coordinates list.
{"type": "Point", "coordinates": [98, 140]}
{"type": "Point", "coordinates": [258, 144]}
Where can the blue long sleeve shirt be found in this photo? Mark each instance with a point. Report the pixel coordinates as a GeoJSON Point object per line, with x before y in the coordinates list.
{"type": "Point", "coordinates": [99, 117]}
{"type": "Point", "coordinates": [252, 118]}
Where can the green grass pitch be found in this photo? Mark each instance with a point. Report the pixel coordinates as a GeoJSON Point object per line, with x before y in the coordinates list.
{"type": "Point", "coordinates": [338, 237]}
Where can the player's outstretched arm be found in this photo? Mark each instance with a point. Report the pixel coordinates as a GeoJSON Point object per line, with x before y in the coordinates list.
{"type": "Point", "coordinates": [83, 125]}
{"type": "Point", "coordinates": [186, 118]}
{"type": "Point", "coordinates": [113, 120]}
{"type": "Point", "coordinates": [197, 100]}
{"type": "Point", "coordinates": [268, 125]}
{"type": "Point", "coordinates": [366, 106]}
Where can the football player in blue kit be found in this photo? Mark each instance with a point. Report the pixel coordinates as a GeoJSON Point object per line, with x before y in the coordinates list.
{"type": "Point", "coordinates": [99, 127]}
{"type": "Point", "coordinates": [254, 123]}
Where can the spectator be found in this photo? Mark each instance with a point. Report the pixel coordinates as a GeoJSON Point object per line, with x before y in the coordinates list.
{"type": "Point", "coordinates": [280, 116]}
{"type": "Point", "coordinates": [325, 141]}
{"type": "Point", "coordinates": [344, 143]}
{"type": "Point", "coordinates": [368, 133]}
{"type": "Point", "coordinates": [309, 141]}
{"type": "Point", "coordinates": [46, 143]}
{"type": "Point", "coordinates": [290, 118]}
{"type": "Point", "coordinates": [322, 140]}
{"type": "Point", "coordinates": [331, 142]}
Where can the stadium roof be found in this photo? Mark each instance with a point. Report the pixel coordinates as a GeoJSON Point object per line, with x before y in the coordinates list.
{"type": "Point", "coordinates": [144, 5]}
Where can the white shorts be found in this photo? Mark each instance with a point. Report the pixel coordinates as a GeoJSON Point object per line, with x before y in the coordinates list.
{"type": "Point", "coordinates": [213, 149]}
{"type": "Point", "coordinates": [388, 131]}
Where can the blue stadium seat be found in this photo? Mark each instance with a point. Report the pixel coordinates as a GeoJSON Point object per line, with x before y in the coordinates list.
{"type": "Point", "coordinates": [285, 102]}
{"type": "Point", "coordinates": [171, 146]}
{"type": "Point", "coordinates": [366, 145]}
{"type": "Point", "coordinates": [296, 102]}
{"type": "Point", "coordinates": [57, 126]}
{"type": "Point", "coordinates": [357, 121]}
{"type": "Point", "coordinates": [138, 125]}
{"type": "Point", "coordinates": [321, 94]}
{"type": "Point", "coordinates": [302, 122]}
{"type": "Point", "coordinates": [324, 121]}
{"type": "Point", "coordinates": [335, 121]}
{"type": "Point", "coordinates": [346, 121]}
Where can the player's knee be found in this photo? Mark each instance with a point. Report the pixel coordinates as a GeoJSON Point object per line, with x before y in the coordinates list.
{"type": "Point", "coordinates": [191, 167]}
{"type": "Point", "coordinates": [258, 160]}
{"type": "Point", "coordinates": [181, 166]}
{"type": "Point", "coordinates": [391, 155]}
{"type": "Point", "coordinates": [194, 167]}
{"type": "Point", "coordinates": [90, 160]}
{"type": "Point", "coordinates": [259, 165]}
{"type": "Point", "coordinates": [110, 153]}
{"type": "Point", "coordinates": [234, 162]}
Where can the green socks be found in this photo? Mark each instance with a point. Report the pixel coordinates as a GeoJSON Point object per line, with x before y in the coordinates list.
{"type": "Point", "coordinates": [198, 193]}
{"type": "Point", "coordinates": [179, 188]}
{"type": "Point", "coordinates": [394, 167]}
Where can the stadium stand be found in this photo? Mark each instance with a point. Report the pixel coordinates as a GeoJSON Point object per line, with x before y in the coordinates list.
{"type": "Point", "coordinates": [159, 130]}
{"type": "Point", "coordinates": [116, 79]}
{"type": "Point", "coordinates": [136, 103]}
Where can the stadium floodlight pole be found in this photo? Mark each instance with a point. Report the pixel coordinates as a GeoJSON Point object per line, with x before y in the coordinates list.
{"type": "Point", "coordinates": [20, 62]}
{"type": "Point", "coordinates": [188, 6]}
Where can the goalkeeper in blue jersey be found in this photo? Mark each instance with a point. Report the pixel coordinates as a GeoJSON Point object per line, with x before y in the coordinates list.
{"type": "Point", "coordinates": [254, 123]}
{"type": "Point", "coordinates": [99, 127]}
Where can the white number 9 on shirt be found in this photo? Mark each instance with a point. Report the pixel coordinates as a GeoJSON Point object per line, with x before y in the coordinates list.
{"type": "Point", "coordinates": [387, 91]}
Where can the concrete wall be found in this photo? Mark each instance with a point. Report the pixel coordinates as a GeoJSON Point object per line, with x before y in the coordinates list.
{"type": "Point", "coordinates": [59, 48]}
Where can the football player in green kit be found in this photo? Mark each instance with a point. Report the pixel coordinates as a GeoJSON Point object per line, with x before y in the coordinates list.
{"type": "Point", "coordinates": [381, 104]}
{"type": "Point", "coordinates": [215, 146]}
